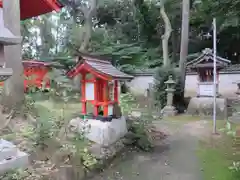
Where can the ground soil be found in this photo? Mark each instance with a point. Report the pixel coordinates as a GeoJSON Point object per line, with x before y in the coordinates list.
{"type": "Point", "coordinates": [173, 158]}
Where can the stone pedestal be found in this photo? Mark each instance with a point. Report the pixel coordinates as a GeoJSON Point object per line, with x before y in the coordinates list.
{"type": "Point", "coordinates": [235, 118]}
{"type": "Point", "coordinates": [204, 106]}
{"type": "Point", "coordinates": [11, 157]}
{"type": "Point", "coordinates": [103, 133]}
{"type": "Point", "coordinates": [169, 111]}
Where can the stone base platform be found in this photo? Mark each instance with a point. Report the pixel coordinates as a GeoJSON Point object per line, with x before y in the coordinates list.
{"type": "Point", "coordinates": [204, 106]}
{"type": "Point", "coordinates": [103, 133]}
{"type": "Point", "coordinates": [169, 111]}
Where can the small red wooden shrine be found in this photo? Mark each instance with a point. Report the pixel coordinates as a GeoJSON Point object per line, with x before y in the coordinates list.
{"type": "Point", "coordinates": [99, 83]}
{"type": "Point", "coordinates": [32, 8]}
{"type": "Point", "coordinates": [36, 69]}
{"type": "Point", "coordinates": [35, 74]}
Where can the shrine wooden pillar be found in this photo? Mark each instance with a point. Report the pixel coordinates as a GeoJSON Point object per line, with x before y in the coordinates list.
{"type": "Point", "coordinates": [83, 90]}
{"type": "Point", "coordinates": [96, 98]}
{"type": "Point", "coordinates": [116, 91]}
{"type": "Point", "coordinates": [105, 98]}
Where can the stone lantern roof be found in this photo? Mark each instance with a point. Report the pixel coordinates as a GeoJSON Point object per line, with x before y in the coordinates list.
{"type": "Point", "coordinates": [6, 36]}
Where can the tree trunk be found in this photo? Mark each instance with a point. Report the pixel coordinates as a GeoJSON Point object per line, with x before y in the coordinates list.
{"type": "Point", "coordinates": [165, 36]}
{"type": "Point", "coordinates": [13, 94]}
{"type": "Point", "coordinates": [88, 15]}
{"type": "Point", "coordinates": [46, 36]}
{"type": "Point", "coordinates": [184, 43]}
{"type": "Point", "coordinates": [175, 44]}
{"type": "Point", "coordinates": [86, 36]}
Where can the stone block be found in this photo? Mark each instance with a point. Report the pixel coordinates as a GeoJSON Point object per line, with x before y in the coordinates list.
{"type": "Point", "coordinates": [7, 149]}
{"type": "Point", "coordinates": [20, 160]}
{"type": "Point", "coordinates": [103, 133]}
{"type": "Point", "coordinates": [235, 118]}
{"type": "Point", "coordinates": [204, 106]}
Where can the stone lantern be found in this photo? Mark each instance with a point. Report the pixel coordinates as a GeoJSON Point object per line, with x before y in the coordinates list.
{"type": "Point", "coordinates": [10, 156]}
{"type": "Point", "coordinates": [6, 38]}
{"type": "Point", "coordinates": [169, 109]}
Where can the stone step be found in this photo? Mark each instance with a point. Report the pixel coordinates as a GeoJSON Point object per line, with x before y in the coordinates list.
{"type": "Point", "coordinates": [7, 149]}
{"type": "Point", "coordinates": [18, 161]}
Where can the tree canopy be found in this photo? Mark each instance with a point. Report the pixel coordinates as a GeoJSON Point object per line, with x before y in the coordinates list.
{"type": "Point", "coordinates": [130, 31]}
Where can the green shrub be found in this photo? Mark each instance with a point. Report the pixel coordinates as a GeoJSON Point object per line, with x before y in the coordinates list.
{"type": "Point", "coordinates": [140, 133]}
{"type": "Point", "coordinates": [127, 102]}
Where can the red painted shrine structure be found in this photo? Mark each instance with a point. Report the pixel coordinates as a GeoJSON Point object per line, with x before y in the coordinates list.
{"type": "Point", "coordinates": [35, 74]}
{"type": "Point", "coordinates": [32, 8]}
{"type": "Point", "coordinates": [203, 65]}
{"type": "Point", "coordinates": [99, 83]}
{"type": "Point", "coordinates": [35, 69]}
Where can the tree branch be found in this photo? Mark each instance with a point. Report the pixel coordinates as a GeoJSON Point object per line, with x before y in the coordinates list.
{"type": "Point", "coordinates": [166, 35]}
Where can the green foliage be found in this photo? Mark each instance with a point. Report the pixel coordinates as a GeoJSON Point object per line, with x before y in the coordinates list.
{"type": "Point", "coordinates": [15, 175]}
{"type": "Point", "coordinates": [127, 103]}
{"type": "Point", "coordinates": [77, 146]}
{"type": "Point", "coordinates": [139, 128]}
{"type": "Point", "coordinates": [161, 76]}
{"type": "Point", "coordinates": [140, 132]}
{"type": "Point", "coordinates": [45, 129]}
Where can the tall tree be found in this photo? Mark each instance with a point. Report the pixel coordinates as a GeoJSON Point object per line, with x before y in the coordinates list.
{"type": "Point", "coordinates": [13, 94]}
{"type": "Point", "coordinates": [166, 35]}
{"type": "Point", "coordinates": [184, 42]}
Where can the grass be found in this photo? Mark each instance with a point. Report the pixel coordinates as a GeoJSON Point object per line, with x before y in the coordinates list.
{"type": "Point", "coordinates": [215, 163]}
{"type": "Point", "coordinates": [216, 155]}
{"type": "Point", "coordinates": [58, 108]}
{"type": "Point", "coordinates": [183, 118]}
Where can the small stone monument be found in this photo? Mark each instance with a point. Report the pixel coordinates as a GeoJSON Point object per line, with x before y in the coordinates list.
{"type": "Point", "coordinates": [169, 109]}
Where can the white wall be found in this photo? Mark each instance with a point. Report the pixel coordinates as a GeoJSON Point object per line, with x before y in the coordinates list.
{"type": "Point", "coordinates": [227, 86]}
{"type": "Point", "coordinates": [140, 84]}
{"type": "Point", "coordinates": [191, 85]}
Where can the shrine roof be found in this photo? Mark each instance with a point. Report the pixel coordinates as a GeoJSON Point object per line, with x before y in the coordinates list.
{"type": "Point", "coordinates": [32, 8]}
{"type": "Point", "coordinates": [206, 58]}
{"type": "Point", "coordinates": [144, 72]}
{"type": "Point", "coordinates": [100, 65]}
{"type": "Point", "coordinates": [36, 63]}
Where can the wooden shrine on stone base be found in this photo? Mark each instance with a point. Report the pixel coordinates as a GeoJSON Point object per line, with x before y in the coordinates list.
{"type": "Point", "coordinates": [99, 84]}
{"type": "Point", "coordinates": [203, 103]}
{"type": "Point", "coordinates": [100, 87]}
{"type": "Point", "coordinates": [203, 65]}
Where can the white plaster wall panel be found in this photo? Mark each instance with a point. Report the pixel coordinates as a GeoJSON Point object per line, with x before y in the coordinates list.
{"type": "Point", "coordinates": [89, 91]}
{"type": "Point", "coordinates": [191, 85]}
{"type": "Point", "coordinates": [110, 109]}
{"type": "Point", "coordinates": [227, 86]}
{"type": "Point", "coordinates": [140, 84]}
